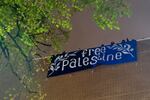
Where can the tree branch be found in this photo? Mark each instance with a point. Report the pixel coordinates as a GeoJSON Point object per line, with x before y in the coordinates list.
{"type": "Point", "coordinates": [45, 44]}
{"type": "Point", "coordinates": [20, 79]}
{"type": "Point", "coordinates": [19, 48]}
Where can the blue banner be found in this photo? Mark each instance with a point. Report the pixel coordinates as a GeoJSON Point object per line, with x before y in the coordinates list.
{"type": "Point", "coordinates": [115, 53]}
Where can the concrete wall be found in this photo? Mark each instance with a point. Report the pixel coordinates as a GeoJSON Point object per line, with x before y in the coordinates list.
{"type": "Point", "coordinates": [86, 34]}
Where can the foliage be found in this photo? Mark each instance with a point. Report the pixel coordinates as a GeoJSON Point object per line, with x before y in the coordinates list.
{"type": "Point", "coordinates": [25, 25]}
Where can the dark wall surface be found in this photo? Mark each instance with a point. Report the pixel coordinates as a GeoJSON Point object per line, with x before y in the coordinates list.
{"type": "Point", "coordinates": [128, 81]}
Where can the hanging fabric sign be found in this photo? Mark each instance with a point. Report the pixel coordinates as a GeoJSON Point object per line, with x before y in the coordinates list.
{"type": "Point", "coordinates": [115, 53]}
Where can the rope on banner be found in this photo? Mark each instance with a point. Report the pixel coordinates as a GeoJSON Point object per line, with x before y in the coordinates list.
{"type": "Point", "coordinates": [138, 40]}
